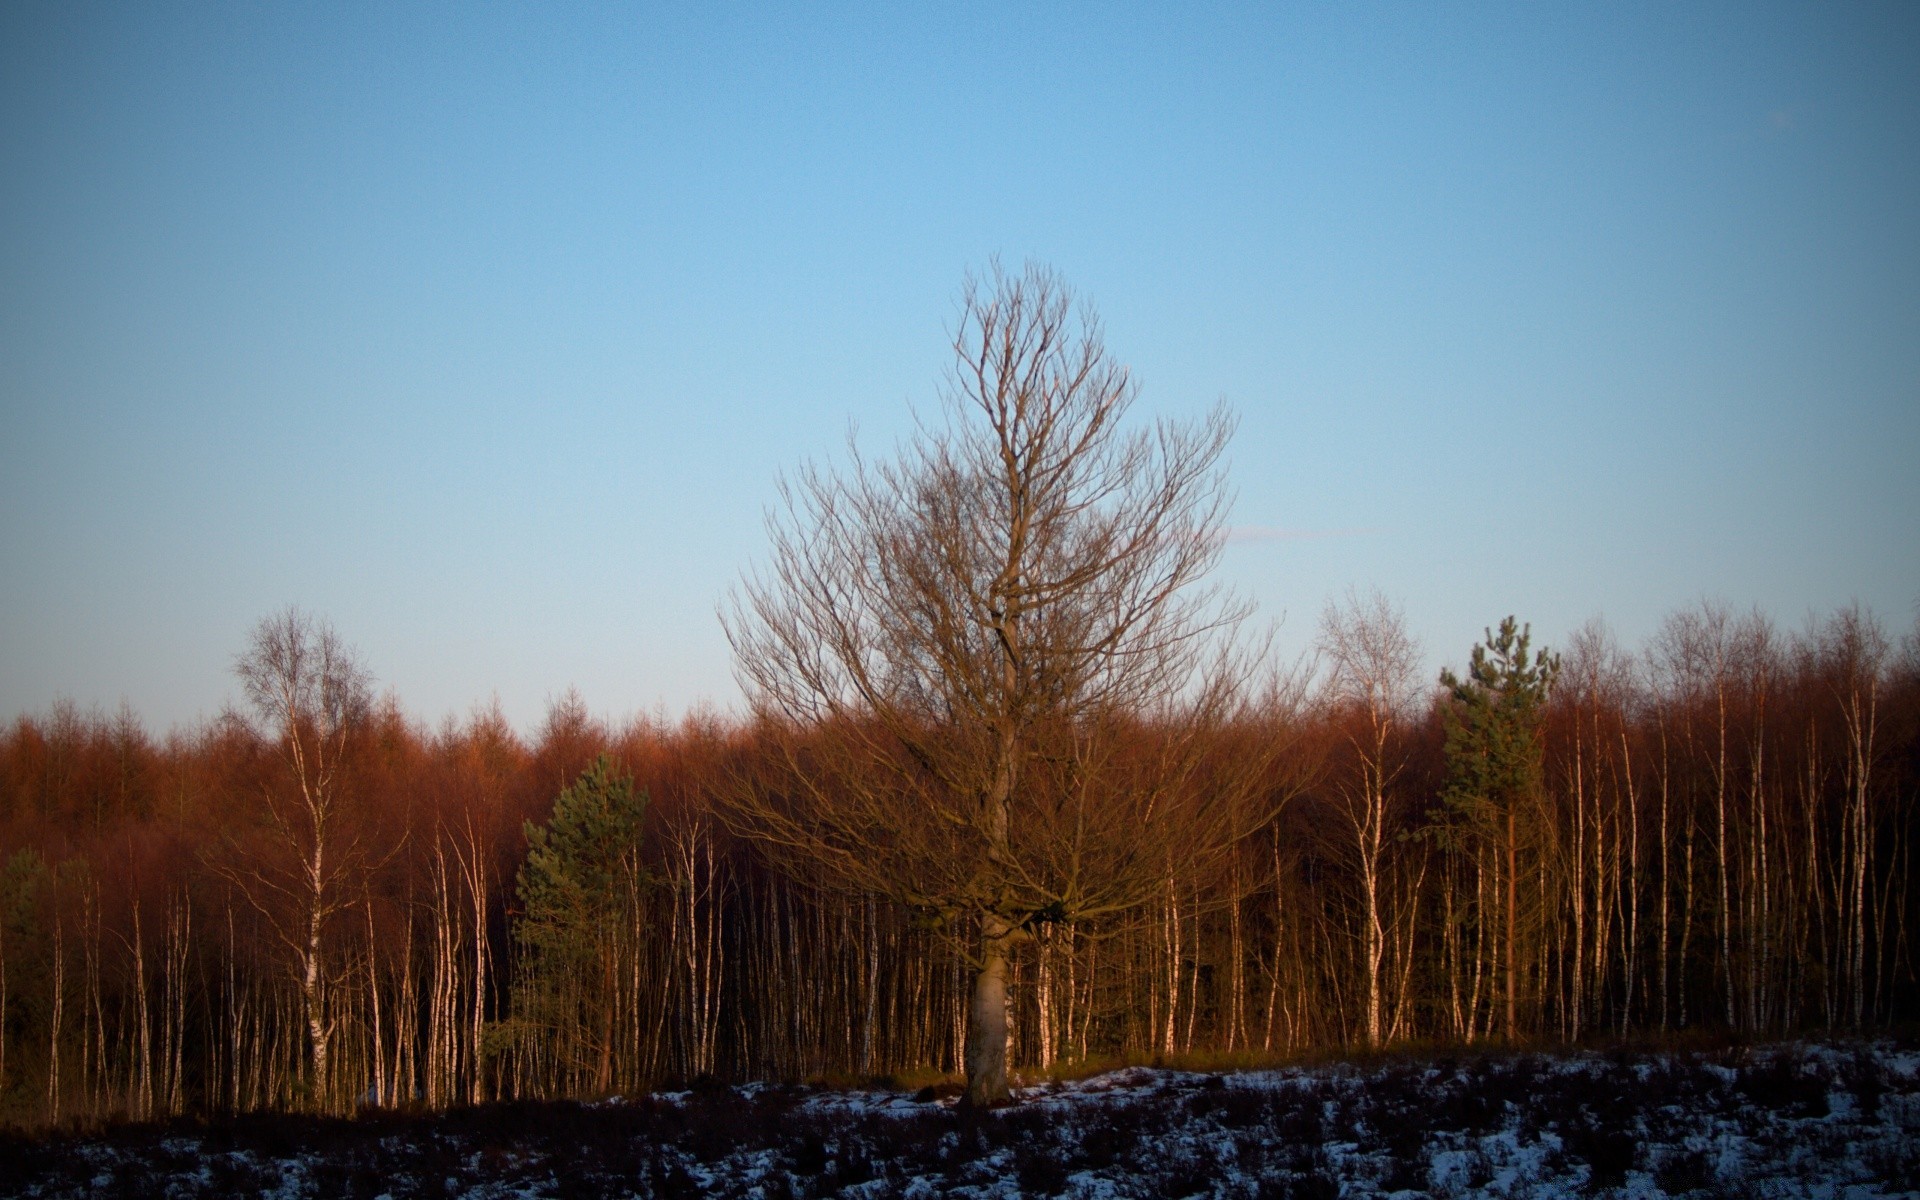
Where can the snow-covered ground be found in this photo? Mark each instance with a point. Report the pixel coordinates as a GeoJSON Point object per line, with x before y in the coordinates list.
{"type": "Point", "coordinates": [1827, 1120]}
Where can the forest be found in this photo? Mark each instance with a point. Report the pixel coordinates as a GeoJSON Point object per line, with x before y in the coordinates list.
{"type": "Point", "coordinates": [1722, 838]}
{"type": "Point", "coordinates": [1013, 788]}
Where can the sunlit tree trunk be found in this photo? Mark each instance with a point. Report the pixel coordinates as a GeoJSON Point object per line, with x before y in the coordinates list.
{"type": "Point", "coordinates": [57, 996]}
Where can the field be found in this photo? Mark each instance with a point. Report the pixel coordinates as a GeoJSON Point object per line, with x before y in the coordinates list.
{"type": "Point", "coordinates": [1822, 1119]}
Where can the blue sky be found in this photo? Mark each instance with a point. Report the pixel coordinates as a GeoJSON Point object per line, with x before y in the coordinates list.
{"type": "Point", "coordinates": [484, 330]}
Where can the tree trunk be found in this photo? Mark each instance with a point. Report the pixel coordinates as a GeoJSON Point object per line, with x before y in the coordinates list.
{"type": "Point", "coordinates": [318, 1095]}
{"type": "Point", "coordinates": [1513, 909]}
{"type": "Point", "coordinates": [986, 1056]}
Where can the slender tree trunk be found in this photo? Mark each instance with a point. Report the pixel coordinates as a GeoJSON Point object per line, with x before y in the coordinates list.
{"type": "Point", "coordinates": [310, 989]}
{"type": "Point", "coordinates": [474, 869]}
{"type": "Point", "coordinates": [1172, 939]}
{"type": "Point", "coordinates": [1686, 910]}
{"type": "Point", "coordinates": [179, 935]}
{"type": "Point", "coordinates": [142, 1105]}
{"type": "Point", "coordinates": [1279, 943]}
{"type": "Point", "coordinates": [1720, 846]}
{"type": "Point", "coordinates": [58, 999]}
{"type": "Point", "coordinates": [1451, 945]}
{"type": "Point", "coordinates": [1513, 923]}
{"type": "Point", "coordinates": [1043, 997]}
{"type": "Point", "coordinates": [1236, 967]}
{"type": "Point", "coordinates": [1666, 889]}
{"type": "Point", "coordinates": [3, 1008]}
{"type": "Point", "coordinates": [380, 1097]}
{"type": "Point", "coordinates": [1193, 980]}
{"type": "Point", "coordinates": [236, 1060]}
{"type": "Point", "coordinates": [1630, 952]}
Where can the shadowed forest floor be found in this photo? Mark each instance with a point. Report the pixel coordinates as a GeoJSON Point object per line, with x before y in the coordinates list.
{"type": "Point", "coordinates": [1821, 1119]}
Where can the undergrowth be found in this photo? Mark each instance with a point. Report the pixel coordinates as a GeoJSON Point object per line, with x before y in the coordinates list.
{"type": "Point", "coordinates": [1448, 1121]}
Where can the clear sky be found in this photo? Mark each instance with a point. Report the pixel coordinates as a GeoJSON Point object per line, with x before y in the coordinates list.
{"type": "Point", "coordinates": [484, 330]}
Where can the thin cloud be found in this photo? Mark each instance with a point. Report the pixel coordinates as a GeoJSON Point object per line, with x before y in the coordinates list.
{"type": "Point", "coordinates": [1244, 534]}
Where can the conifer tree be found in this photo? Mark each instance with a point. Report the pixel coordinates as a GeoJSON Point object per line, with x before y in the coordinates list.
{"type": "Point", "coordinates": [580, 890]}
{"type": "Point", "coordinates": [1495, 755]}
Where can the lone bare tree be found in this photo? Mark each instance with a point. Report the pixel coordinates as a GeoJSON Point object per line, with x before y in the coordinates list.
{"type": "Point", "coordinates": [988, 658]}
{"type": "Point", "coordinates": [310, 691]}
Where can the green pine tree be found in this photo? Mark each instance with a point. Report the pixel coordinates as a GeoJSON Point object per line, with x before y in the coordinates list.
{"type": "Point", "coordinates": [1495, 767]}
{"type": "Point", "coordinates": [581, 890]}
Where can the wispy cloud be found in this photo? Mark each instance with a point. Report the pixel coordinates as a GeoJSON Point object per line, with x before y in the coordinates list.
{"type": "Point", "coordinates": [1243, 534]}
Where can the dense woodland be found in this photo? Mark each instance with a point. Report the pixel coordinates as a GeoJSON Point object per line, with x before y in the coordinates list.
{"type": "Point", "coordinates": [346, 907]}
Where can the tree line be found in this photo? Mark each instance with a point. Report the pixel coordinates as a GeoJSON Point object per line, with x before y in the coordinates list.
{"type": "Point", "coordinates": [1715, 832]}
{"type": "Point", "coordinates": [1012, 787]}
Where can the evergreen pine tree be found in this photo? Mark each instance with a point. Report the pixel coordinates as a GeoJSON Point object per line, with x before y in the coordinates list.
{"type": "Point", "coordinates": [1495, 755]}
{"type": "Point", "coordinates": [580, 892]}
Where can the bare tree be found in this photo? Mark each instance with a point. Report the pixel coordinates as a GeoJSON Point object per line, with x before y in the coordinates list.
{"type": "Point", "coordinates": [1372, 685]}
{"type": "Point", "coordinates": [310, 691]}
{"type": "Point", "coordinates": [987, 658]}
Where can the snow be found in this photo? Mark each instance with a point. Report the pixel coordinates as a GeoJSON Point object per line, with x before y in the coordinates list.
{"type": "Point", "coordinates": [1834, 1120]}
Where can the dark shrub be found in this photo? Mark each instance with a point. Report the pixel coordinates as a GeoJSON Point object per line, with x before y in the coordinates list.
{"type": "Point", "coordinates": [1785, 1086]}
{"type": "Point", "coordinates": [853, 1166]}
{"type": "Point", "coordinates": [1185, 1175]}
{"type": "Point", "coordinates": [1108, 1137]}
{"type": "Point", "coordinates": [671, 1182]}
{"type": "Point", "coordinates": [1608, 1151]}
{"type": "Point", "coordinates": [1405, 1172]}
{"type": "Point", "coordinates": [1684, 1171]}
{"type": "Point", "coordinates": [807, 1155]}
{"type": "Point", "coordinates": [1897, 1164]}
{"type": "Point", "coordinates": [1319, 1184]}
{"type": "Point", "coordinates": [1234, 1108]}
{"type": "Point", "coordinates": [1865, 1079]}
{"type": "Point", "coordinates": [1040, 1171]}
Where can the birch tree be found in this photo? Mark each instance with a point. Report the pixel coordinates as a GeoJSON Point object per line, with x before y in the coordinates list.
{"type": "Point", "coordinates": [310, 691]}
{"type": "Point", "coordinates": [1371, 686]}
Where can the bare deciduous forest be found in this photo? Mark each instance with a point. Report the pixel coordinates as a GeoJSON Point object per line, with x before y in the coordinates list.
{"type": "Point", "coordinates": [996, 790]}
{"type": "Point", "coordinates": [1722, 837]}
